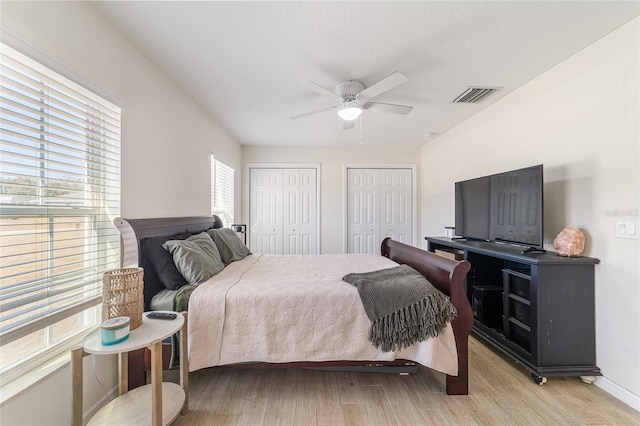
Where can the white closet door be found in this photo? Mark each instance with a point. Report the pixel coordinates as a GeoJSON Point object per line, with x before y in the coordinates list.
{"type": "Point", "coordinates": [283, 211]}
{"type": "Point", "coordinates": [299, 212]}
{"type": "Point", "coordinates": [265, 213]}
{"type": "Point", "coordinates": [308, 224]}
{"type": "Point", "coordinates": [396, 205]}
{"type": "Point", "coordinates": [363, 211]}
{"type": "Point", "coordinates": [380, 204]}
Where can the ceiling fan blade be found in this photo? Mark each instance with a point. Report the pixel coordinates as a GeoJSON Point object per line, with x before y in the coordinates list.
{"type": "Point", "coordinates": [318, 89]}
{"type": "Point", "coordinates": [346, 125]}
{"type": "Point", "coordinates": [304, 114]}
{"type": "Point", "coordinates": [387, 83]}
{"type": "Point", "coordinates": [392, 108]}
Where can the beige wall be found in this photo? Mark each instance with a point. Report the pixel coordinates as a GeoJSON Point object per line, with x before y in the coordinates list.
{"type": "Point", "coordinates": [162, 128]}
{"type": "Point", "coordinates": [332, 161]}
{"type": "Point", "coordinates": [162, 131]}
{"type": "Point", "coordinates": [581, 120]}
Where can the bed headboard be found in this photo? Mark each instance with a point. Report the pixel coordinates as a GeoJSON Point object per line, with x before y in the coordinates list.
{"type": "Point", "coordinates": [132, 231]}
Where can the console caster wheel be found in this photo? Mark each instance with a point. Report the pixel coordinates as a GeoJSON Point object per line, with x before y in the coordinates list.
{"type": "Point", "coordinates": [539, 380]}
{"type": "Point", "coordinates": [588, 379]}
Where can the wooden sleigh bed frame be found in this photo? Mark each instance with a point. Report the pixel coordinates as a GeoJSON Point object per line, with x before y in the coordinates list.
{"type": "Point", "coordinates": [445, 274]}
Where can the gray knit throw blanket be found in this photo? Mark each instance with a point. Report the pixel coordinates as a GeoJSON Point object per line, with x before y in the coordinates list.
{"type": "Point", "coordinates": [403, 306]}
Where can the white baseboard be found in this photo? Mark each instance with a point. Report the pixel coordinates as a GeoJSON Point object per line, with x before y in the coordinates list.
{"type": "Point", "coordinates": [113, 394]}
{"type": "Point", "coordinates": [619, 392]}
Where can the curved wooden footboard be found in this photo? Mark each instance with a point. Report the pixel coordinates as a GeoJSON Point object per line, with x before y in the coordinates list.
{"type": "Point", "coordinates": [447, 276]}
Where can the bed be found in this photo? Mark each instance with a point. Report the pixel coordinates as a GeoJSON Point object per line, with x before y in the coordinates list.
{"type": "Point", "coordinates": [318, 335]}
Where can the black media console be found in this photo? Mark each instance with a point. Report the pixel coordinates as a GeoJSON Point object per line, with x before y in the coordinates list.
{"type": "Point", "coordinates": [536, 307]}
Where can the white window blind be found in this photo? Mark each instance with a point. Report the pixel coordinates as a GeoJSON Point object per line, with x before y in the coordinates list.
{"type": "Point", "coordinates": [59, 194]}
{"type": "Point", "coordinates": [222, 191]}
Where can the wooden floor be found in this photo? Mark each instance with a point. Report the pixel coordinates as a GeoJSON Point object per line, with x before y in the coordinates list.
{"type": "Point", "coordinates": [501, 393]}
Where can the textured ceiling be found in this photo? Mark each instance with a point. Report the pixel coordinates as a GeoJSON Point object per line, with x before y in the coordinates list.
{"type": "Point", "coordinates": [241, 61]}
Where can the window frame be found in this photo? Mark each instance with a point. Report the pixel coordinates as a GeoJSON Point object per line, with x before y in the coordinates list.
{"type": "Point", "coordinates": [96, 208]}
{"type": "Point", "coordinates": [221, 171]}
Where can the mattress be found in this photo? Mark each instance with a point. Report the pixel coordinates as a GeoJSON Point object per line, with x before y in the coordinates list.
{"type": "Point", "coordinates": [277, 309]}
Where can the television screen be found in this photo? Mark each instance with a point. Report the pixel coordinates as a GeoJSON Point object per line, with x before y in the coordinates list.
{"type": "Point", "coordinates": [501, 207]}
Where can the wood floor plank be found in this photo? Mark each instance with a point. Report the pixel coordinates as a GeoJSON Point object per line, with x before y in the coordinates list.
{"type": "Point", "coordinates": [500, 393]}
{"type": "Point", "coordinates": [525, 417]}
{"type": "Point", "coordinates": [526, 399]}
{"type": "Point", "coordinates": [356, 415]}
{"type": "Point", "coordinates": [254, 411]}
{"type": "Point", "coordinates": [239, 388]}
{"type": "Point", "coordinates": [305, 405]}
{"type": "Point", "coordinates": [400, 399]}
{"type": "Point", "coordinates": [329, 408]}
{"type": "Point", "coordinates": [434, 417]}
{"type": "Point", "coordinates": [379, 408]}
{"type": "Point", "coordinates": [280, 407]}
{"type": "Point", "coordinates": [349, 390]}
{"type": "Point", "coordinates": [457, 411]}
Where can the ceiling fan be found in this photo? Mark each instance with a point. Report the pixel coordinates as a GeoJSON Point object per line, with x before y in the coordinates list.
{"type": "Point", "coordinates": [352, 98]}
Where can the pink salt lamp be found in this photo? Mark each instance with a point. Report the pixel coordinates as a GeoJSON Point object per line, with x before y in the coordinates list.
{"type": "Point", "coordinates": [569, 242]}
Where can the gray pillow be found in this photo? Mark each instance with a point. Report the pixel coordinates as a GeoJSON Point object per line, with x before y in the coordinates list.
{"type": "Point", "coordinates": [197, 258]}
{"type": "Point", "coordinates": [229, 245]}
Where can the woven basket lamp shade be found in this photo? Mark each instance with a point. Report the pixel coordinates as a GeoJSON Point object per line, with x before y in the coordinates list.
{"type": "Point", "coordinates": [122, 295]}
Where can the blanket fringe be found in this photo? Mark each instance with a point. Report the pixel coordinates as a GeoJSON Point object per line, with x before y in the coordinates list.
{"type": "Point", "coordinates": [418, 322]}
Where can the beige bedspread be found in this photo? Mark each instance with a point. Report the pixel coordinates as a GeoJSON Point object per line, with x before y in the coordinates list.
{"type": "Point", "coordinates": [269, 308]}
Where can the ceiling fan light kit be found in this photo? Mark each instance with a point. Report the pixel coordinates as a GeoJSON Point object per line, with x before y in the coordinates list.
{"type": "Point", "coordinates": [352, 98]}
{"type": "Point", "coordinates": [349, 112]}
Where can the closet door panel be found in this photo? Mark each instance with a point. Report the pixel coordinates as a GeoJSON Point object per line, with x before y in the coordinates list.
{"type": "Point", "coordinates": [355, 202]}
{"type": "Point", "coordinates": [397, 204]}
{"type": "Point", "coordinates": [380, 205]}
{"type": "Point", "coordinates": [266, 213]}
{"type": "Point", "coordinates": [308, 209]}
{"type": "Point", "coordinates": [363, 226]}
{"type": "Point", "coordinates": [291, 219]}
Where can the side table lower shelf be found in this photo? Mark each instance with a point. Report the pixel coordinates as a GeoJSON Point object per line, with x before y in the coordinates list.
{"type": "Point", "coordinates": [126, 410]}
{"type": "Point", "coordinates": [156, 404]}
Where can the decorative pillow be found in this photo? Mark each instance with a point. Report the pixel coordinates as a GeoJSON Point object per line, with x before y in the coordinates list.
{"type": "Point", "coordinates": [231, 247]}
{"type": "Point", "coordinates": [197, 258]}
{"type": "Point", "coordinates": [162, 261]}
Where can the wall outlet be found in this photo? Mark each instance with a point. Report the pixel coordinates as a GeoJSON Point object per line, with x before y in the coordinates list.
{"type": "Point", "coordinates": [627, 229]}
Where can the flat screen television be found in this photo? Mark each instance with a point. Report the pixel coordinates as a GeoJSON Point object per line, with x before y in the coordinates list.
{"type": "Point", "coordinates": [503, 207]}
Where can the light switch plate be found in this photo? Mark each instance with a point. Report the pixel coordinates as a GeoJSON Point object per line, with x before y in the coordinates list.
{"type": "Point", "coordinates": [627, 229]}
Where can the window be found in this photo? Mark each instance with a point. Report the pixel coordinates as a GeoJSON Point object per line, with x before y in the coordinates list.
{"type": "Point", "coordinates": [59, 194]}
{"type": "Point", "coordinates": [222, 191]}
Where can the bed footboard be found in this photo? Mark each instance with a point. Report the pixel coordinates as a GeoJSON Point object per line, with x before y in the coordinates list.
{"type": "Point", "coordinates": [447, 276]}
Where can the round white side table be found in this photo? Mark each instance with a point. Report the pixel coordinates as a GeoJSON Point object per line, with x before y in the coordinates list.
{"type": "Point", "coordinates": [158, 403]}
